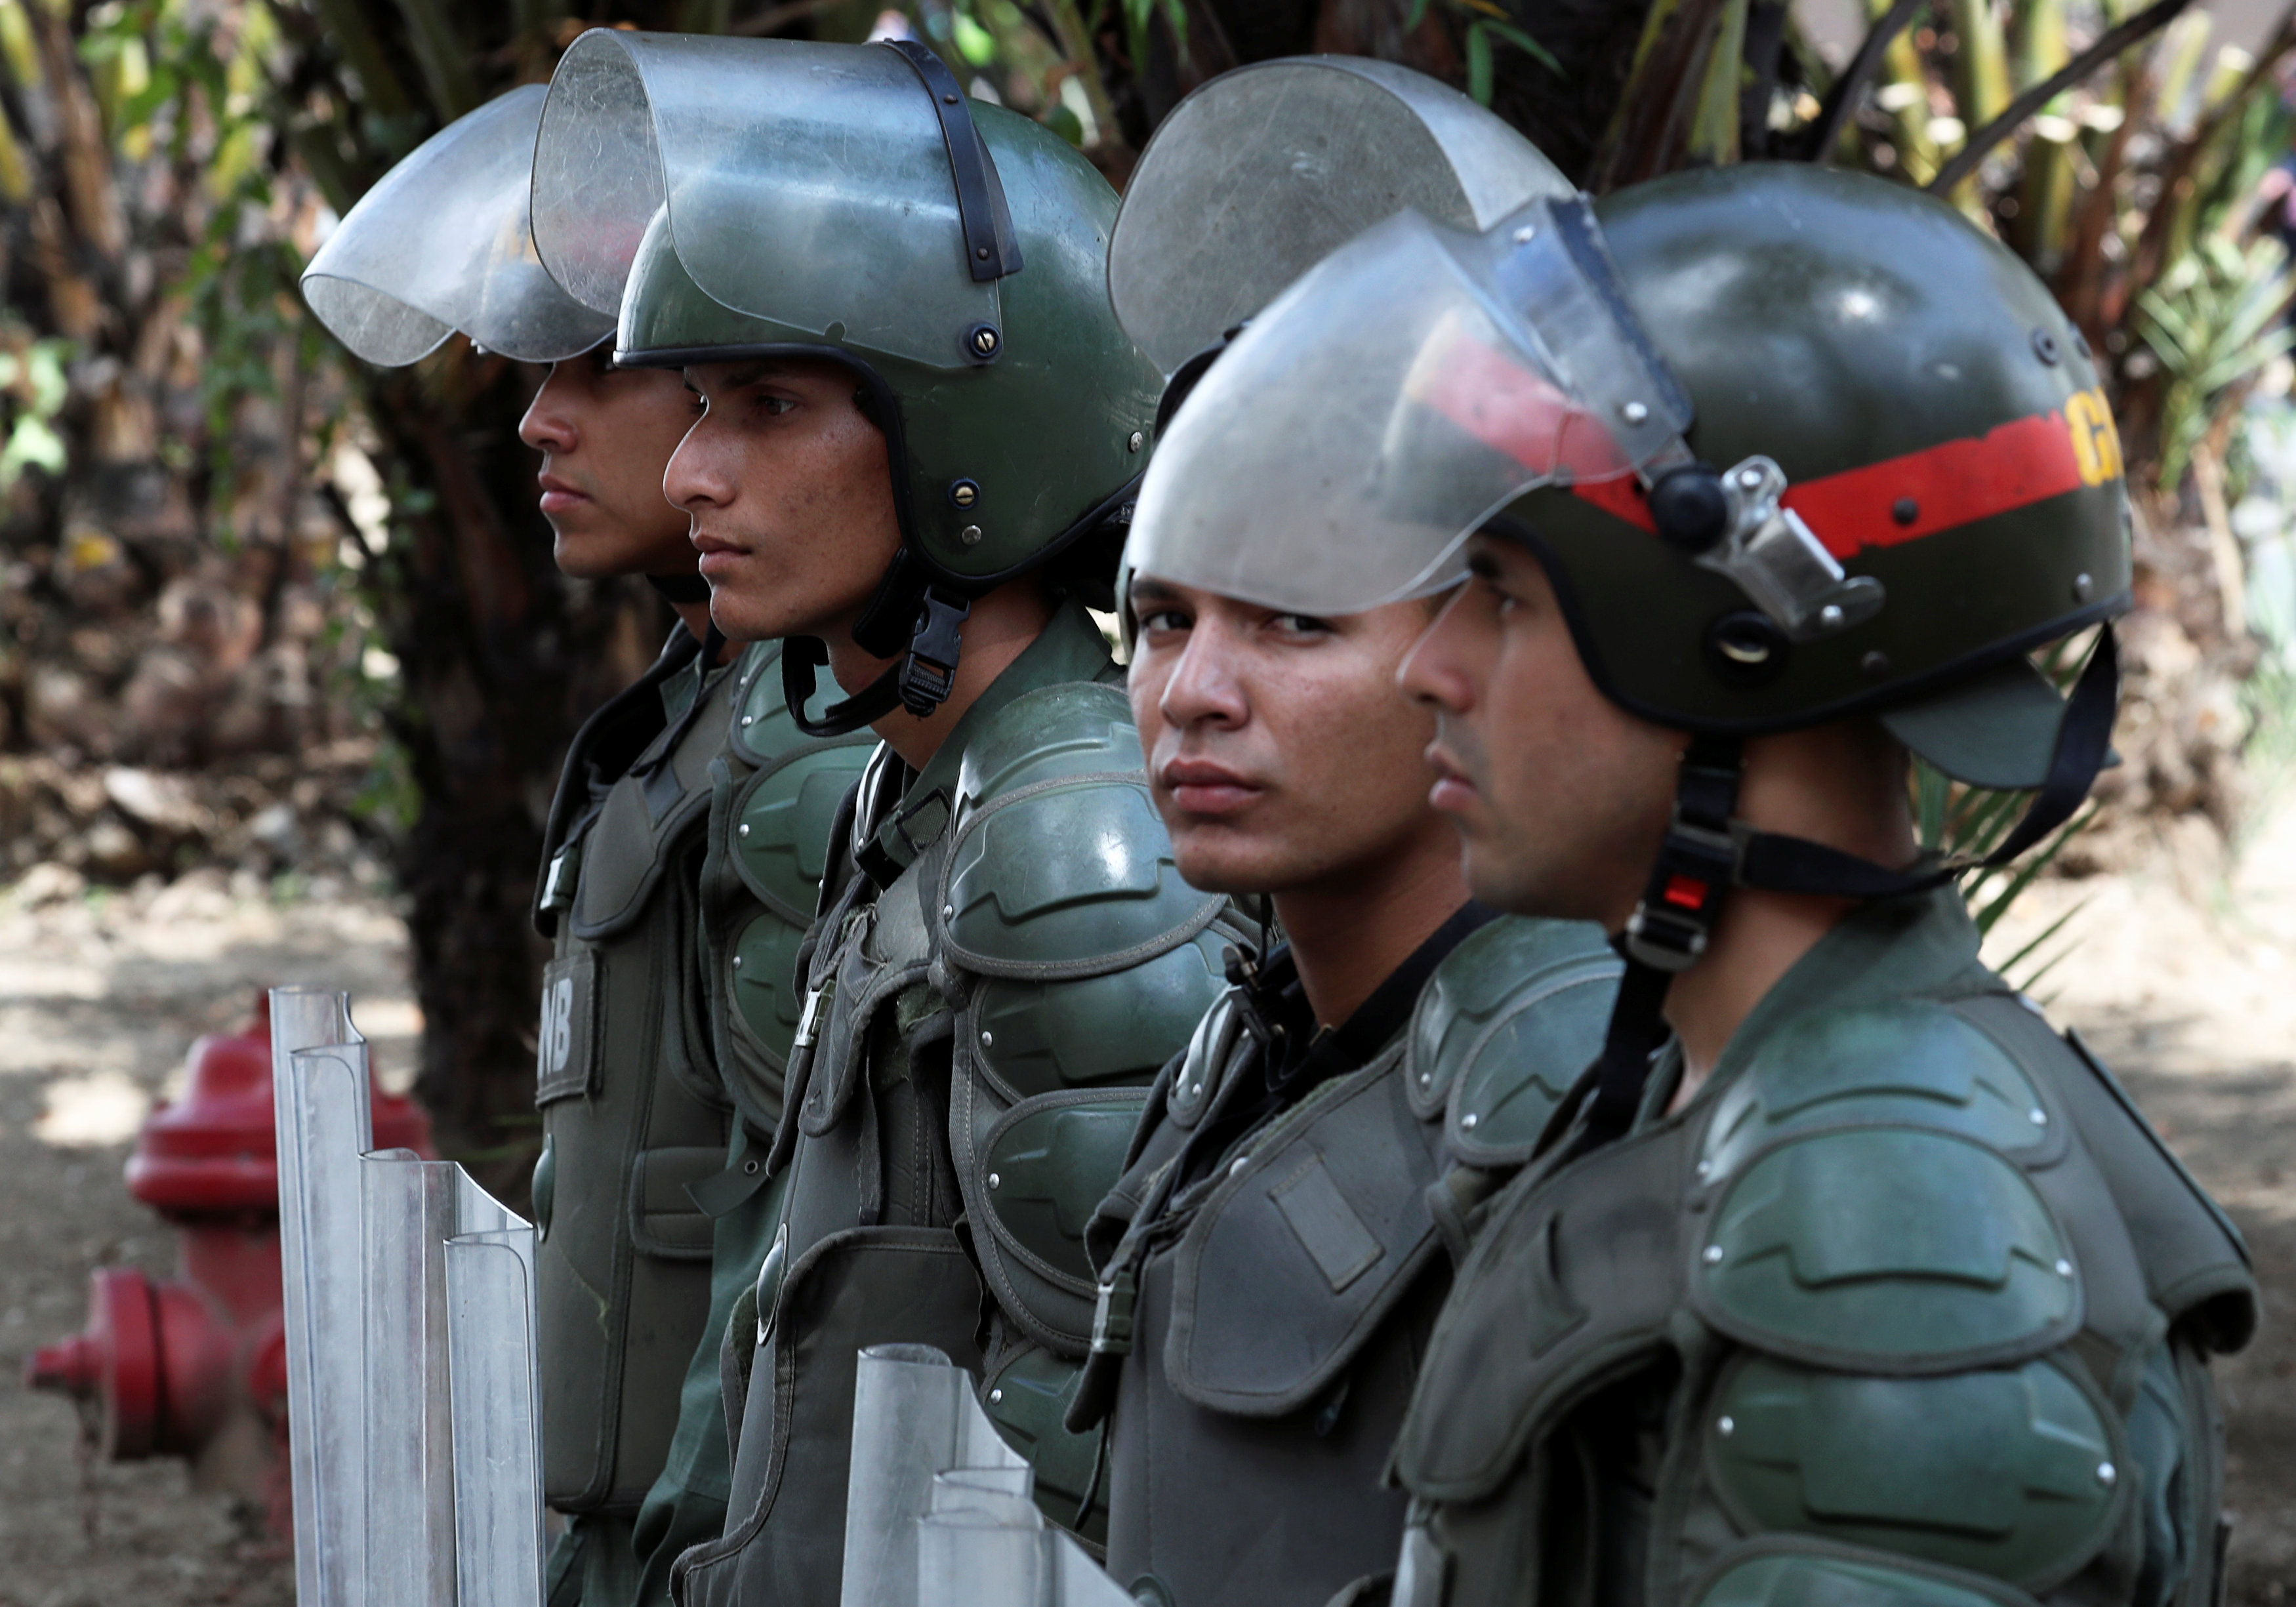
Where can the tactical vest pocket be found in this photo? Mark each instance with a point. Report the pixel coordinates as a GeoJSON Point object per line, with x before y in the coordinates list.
{"type": "Point", "coordinates": [565, 1057]}
{"type": "Point", "coordinates": [664, 1220]}
{"type": "Point", "coordinates": [1318, 1232]}
{"type": "Point", "coordinates": [785, 1534]}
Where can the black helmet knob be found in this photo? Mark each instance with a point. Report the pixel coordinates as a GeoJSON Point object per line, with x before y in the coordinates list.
{"type": "Point", "coordinates": [1689, 507]}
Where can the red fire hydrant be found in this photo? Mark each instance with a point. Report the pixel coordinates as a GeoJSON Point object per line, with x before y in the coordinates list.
{"type": "Point", "coordinates": [195, 1365]}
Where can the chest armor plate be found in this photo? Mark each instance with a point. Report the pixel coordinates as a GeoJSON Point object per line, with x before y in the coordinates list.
{"type": "Point", "coordinates": [1285, 1297]}
{"type": "Point", "coordinates": [774, 796]}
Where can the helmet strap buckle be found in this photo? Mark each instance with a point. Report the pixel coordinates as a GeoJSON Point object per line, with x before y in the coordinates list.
{"type": "Point", "coordinates": [1697, 865]}
{"type": "Point", "coordinates": [1697, 862]}
{"type": "Point", "coordinates": [929, 673]}
{"type": "Point", "coordinates": [1770, 554]}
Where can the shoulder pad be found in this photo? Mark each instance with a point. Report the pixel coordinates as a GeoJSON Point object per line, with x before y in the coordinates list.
{"type": "Point", "coordinates": [1504, 1027]}
{"type": "Point", "coordinates": [1047, 1163]}
{"type": "Point", "coordinates": [1770, 1572]}
{"type": "Point", "coordinates": [1049, 1084]}
{"type": "Point", "coordinates": [763, 731]}
{"type": "Point", "coordinates": [1071, 728]}
{"type": "Point", "coordinates": [1894, 1249]}
{"type": "Point", "coordinates": [1033, 1037]}
{"type": "Point", "coordinates": [1058, 866]}
{"type": "Point", "coordinates": [1906, 1061]}
{"type": "Point", "coordinates": [781, 820]}
{"type": "Point", "coordinates": [1197, 1074]}
{"type": "Point", "coordinates": [1025, 1395]}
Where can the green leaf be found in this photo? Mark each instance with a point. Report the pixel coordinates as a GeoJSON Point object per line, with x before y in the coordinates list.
{"type": "Point", "coordinates": [31, 444]}
{"type": "Point", "coordinates": [2008, 967]}
{"type": "Point", "coordinates": [1524, 43]}
{"type": "Point", "coordinates": [975, 43]}
{"type": "Point", "coordinates": [2028, 868]}
{"type": "Point", "coordinates": [1478, 63]}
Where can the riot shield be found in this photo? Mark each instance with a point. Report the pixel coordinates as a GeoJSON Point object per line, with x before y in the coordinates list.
{"type": "Point", "coordinates": [939, 1511]}
{"type": "Point", "coordinates": [497, 1440]}
{"type": "Point", "coordinates": [320, 1109]}
{"type": "Point", "coordinates": [411, 1369]}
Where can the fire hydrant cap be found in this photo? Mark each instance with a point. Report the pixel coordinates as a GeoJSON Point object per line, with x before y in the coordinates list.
{"type": "Point", "coordinates": [214, 1152]}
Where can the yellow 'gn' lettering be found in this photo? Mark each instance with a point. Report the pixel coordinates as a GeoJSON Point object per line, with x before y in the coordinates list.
{"type": "Point", "coordinates": [2096, 444]}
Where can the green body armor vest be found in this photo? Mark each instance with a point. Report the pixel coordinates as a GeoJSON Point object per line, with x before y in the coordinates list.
{"type": "Point", "coordinates": [1280, 1298]}
{"type": "Point", "coordinates": [1906, 1305]}
{"type": "Point", "coordinates": [631, 1110]}
{"type": "Point", "coordinates": [774, 799]}
{"type": "Point", "coordinates": [1010, 958]}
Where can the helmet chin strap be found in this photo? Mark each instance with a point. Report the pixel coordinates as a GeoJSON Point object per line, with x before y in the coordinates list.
{"type": "Point", "coordinates": [920, 682]}
{"type": "Point", "coordinates": [1707, 851]}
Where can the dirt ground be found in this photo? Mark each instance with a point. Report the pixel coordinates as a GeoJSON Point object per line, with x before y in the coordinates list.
{"type": "Point", "coordinates": [99, 999]}
{"type": "Point", "coordinates": [2184, 979]}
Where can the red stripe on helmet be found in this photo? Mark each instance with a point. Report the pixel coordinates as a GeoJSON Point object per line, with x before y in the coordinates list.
{"type": "Point", "coordinates": [2014, 466]}
{"type": "Point", "coordinates": [1953, 483]}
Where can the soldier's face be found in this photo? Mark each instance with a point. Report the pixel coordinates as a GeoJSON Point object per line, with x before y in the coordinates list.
{"type": "Point", "coordinates": [1560, 796]}
{"type": "Point", "coordinates": [604, 435]}
{"type": "Point", "coordinates": [790, 497]}
{"type": "Point", "coordinates": [1280, 753]}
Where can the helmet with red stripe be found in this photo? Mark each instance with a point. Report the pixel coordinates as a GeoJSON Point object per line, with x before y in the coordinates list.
{"type": "Point", "coordinates": [1936, 425]}
{"type": "Point", "coordinates": [1792, 443]}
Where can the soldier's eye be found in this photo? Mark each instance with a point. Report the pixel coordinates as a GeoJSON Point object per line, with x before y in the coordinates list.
{"type": "Point", "coordinates": [1302, 625]}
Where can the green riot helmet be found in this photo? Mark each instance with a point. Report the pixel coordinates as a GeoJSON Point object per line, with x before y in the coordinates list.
{"type": "Point", "coordinates": [440, 243]}
{"type": "Point", "coordinates": [847, 202]}
{"type": "Point", "coordinates": [1792, 444]}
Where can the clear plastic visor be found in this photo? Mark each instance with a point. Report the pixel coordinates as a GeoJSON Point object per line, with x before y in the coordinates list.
{"type": "Point", "coordinates": [1340, 453]}
{"type": "Point", "coordinates": [1264, 171]}
{"type": "Point", "coordinates": [805, 184]}
{"type": "Point", "coordinates": [440, 243]}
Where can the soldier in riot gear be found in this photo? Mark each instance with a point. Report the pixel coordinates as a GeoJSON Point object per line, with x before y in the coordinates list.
{"type": "Point", "coordinates": [1270, 1262]}
{"type": "Point", "coordinates": [922, 425]}
{"type": "Point", "coordinates": [633, 1110]}
{"type": "Point", "coordinates": [1863, 1284]}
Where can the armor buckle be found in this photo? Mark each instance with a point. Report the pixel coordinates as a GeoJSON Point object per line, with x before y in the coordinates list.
{"type": "Point", "coordinates": [808, 1021]}
{"type": "Point", "coordinates": [1111, 1315]}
